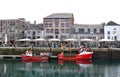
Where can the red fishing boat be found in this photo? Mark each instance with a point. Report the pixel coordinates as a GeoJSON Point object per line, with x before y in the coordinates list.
{"type": "Point", "coordinates": [39, 58]}
{"type": "Point", "coordinates": [84, 54]}
{"type": "Point", "coordinates": [65, 57]}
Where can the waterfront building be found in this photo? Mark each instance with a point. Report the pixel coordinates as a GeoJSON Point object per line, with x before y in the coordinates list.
{"type": "Point", "coordinates": [58, 25]}
{"type": "Point", "coordinates": [11, 29]}
{"type": "Point", "coordinates": [34, 31]}
{"type": "Point", "coordinates": [112, 31]}
{"type": "Point", "coordinates": [88, 31]}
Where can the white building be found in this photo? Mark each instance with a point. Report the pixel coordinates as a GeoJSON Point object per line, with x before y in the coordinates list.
{"type": "Point", "coordinates": [34, 31]}
{"type": "Point", "coordinates": [112, 31]}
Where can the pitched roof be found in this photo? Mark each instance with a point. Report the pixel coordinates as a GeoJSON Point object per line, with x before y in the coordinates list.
{"type": "Point", "coordinates": [111, 23]}
{"type": "Point", "coordinates": [60, 15]}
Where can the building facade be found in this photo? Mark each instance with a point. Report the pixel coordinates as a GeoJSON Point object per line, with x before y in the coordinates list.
{"type": "Point", "coordinates": [11, 29]}
{"type": "Point", "coordinates": [34, 31]}
{"type": "Point", "coordinates": [112, 31]}
{"type": "Point", "coordinates": [58, 25]}
{"type": "Point", "coordinates": [88, 31]}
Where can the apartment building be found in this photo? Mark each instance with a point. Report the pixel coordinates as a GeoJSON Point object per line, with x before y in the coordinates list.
{"type": "Point", "coordinates": [89, 31]}
{"type": "Point", "coordinates": [34, 31]}
{"type": "Point", "coordinates": [11, 29]}
{"type": "Point", "coordinates": [58, 25]}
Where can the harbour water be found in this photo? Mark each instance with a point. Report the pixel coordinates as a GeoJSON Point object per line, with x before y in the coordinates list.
{"type": "Point", "coordinates": [55, 68]}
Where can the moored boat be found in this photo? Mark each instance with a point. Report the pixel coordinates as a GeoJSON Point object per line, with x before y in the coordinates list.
{"type": "Point", "coordinates": [67, 57]}
{"type": "Point", "coordinates": [84, 54]}
{"type": "Point", "coordinates": [39, 58]}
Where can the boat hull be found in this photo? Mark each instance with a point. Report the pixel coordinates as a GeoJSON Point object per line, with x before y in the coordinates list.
{"type": "Point", "coordinates": [34, 58]}
{"type": "Point", "coordinates": [77, 57]}
{"type": "Point", "coordinates": [66, 58]}
{"type": "Point", "coordinates": [84, 56]}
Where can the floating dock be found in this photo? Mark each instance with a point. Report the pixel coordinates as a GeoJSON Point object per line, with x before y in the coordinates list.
{"type": "Point", "coordinates": [19, 56]}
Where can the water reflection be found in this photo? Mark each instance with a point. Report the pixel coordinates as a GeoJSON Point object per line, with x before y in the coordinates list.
{"type": "Point", "coordinates": [54, 68]}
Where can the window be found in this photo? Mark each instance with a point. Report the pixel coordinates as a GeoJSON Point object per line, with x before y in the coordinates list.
{"type": "Point", "coordinates": [12, 29]}
{"type": "Point", "coordinates": [115, 37]}
{"type": "Point", "coordinates": [101, 31]}
{"type": "Point", "coordinates": [51, 31]}
{"type": "Point", "coordinates": [46, 24]}
{"type": "Point", "coordinates": [50, 19]}
{"type": "Point", "coordinates": [12, 36]}
{"type": "Point", "coordinates": [62, 24]}
{"type": "Point", "coordinates": [38, 36]}
{"type": "Point", "coordinates": [29, 37]}
{"type": "Point", "coordinates": [34, 33]}
{"type": "Point", "coordinates": [82, 37]}
{"type": "Point", "coordinates": [45, 20]}
{"type": "Point", "coordinates": [56, 20]}
{"type": "Point", "coordinates": [56, 31]}
{"type": "Point", "coordinates": [56, 36]}
{"type": "Point", "coordinates": [47, 31]}
{"type": "Point", "coordinates": [29, 32]}
{"type": "Point", "coordinates": [114, 32]}
{"type": "Point", "coordinates": [56, 25]}
{"type": "Point", "coordinates": [114, 29]}
{"type": "Point", "coordinates": [50, 24]}
{"type": "Point", "coordinates": [76, 30]}
{"type": "Point", "coordinates": [49, 36]}
{"type": "Point", "coordinates": [67, 24]}
{"type": "Point", "coordinates": [94, 31]}
{"type": "Point", "coordinates": [12, 23]}
{"type": "Point", "coordinates": [108, 32]}
{"type": "Point", "coordinates": [101, 37]}
{"type": "Point", "coordinates": [62, 30]}
{"type": "Point", "coordinates": [67, 20]}
{"type": "Point", "coordinates": [1, 23]}
{"type": "Point", "coordinates": [62, 20]}
{"type": "Point", "coordinates": [67, 30]}
{"type": "Point", "coordinates": [38, 31]}
{"type": "Point", "coordinates": [108, 37]}
{"type": "Point", "coordinates": [95, 38]}
{"type": "Point", "coordinates": [88, 30]}
{"type": "Point", "coordinates": [81, 30]}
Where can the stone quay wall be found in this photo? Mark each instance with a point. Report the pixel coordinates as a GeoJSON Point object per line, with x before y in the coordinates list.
{"type": "Point", "coordinates": [106, 53]}
{"type": "Point", "coordinates": [99, 53]}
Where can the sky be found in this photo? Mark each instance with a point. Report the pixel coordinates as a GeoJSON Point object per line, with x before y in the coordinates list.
{"type": "Point", "coordinates": [84, 11]}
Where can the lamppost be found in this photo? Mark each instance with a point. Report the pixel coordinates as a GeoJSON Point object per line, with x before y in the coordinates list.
{"type": "Point", "coordinates": [97, 40]}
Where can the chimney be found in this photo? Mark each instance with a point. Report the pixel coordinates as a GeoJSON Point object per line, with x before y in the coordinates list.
{"type": "Point", "coordinates": [35, 22]}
